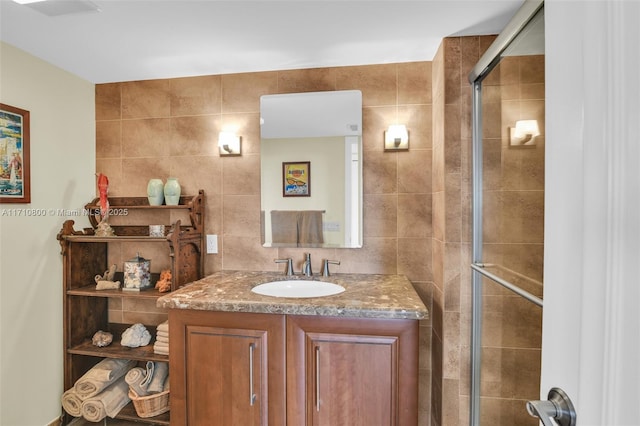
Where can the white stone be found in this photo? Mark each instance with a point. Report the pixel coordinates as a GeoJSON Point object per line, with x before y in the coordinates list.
{"type": "Point", "coordinates": [135, 336]}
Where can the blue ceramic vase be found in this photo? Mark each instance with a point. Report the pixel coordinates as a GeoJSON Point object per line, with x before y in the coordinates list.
{"type": "Point", "coordinates": [155, 192]}
{"type": "Point", "coordinates": [172, 192]}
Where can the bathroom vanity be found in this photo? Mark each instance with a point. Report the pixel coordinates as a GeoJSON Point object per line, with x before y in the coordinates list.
{"type": "Point", "coordinates": [237, 357]}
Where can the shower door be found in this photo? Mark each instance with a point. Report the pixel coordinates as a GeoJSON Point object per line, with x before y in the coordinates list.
{"type": "Point", "coordinates": [508, 222]}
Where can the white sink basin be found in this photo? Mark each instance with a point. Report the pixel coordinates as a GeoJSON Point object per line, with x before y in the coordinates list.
{"type": "Point", "coordinates": [297, 288]}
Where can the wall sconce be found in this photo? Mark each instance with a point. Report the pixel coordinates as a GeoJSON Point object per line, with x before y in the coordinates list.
{"type": "Point", "coordinates": [524, 134]}
{"type": "Point", "coordinates": [229, 144]}
{"type": "Point", "coordinates": [396, 138]}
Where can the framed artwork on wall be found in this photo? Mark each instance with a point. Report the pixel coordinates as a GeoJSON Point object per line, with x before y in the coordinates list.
{"type": "Point", "coordinates": [296, 179]}
{"type": "Point", "coordinates": [15, 173]}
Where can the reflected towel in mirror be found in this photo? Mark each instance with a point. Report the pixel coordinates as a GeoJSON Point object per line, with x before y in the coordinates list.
{"type": "Point", "coordinates": [302, 228]}
{"type": "Point", "coordinates": [284, 226]}
{"type": "Point", "coordinates": [310, 228]}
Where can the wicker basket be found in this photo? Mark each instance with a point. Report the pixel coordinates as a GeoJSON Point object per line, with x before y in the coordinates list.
{"type": "Point", "coordinates": [150, 405]}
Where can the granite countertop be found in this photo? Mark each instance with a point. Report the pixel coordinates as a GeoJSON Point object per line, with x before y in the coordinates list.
{"type": "Point", "coordinates": [367, 296]}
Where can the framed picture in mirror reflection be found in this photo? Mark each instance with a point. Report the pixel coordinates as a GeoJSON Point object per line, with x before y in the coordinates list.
{"type": "Point", "coordinates": [296, 179]}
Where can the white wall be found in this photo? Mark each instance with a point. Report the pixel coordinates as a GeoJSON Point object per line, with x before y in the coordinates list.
{"type": "Point", "coordinates": [327, 180]}
{"type": "Point", "coordinates": [62, 109]}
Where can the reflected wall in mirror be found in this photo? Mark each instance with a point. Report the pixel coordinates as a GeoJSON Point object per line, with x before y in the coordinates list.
{"type": "Point", "coordinates": [325, 130]}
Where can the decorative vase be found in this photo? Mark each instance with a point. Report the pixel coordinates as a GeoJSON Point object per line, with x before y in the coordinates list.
{"type": "Point", "coordinates": [155, 192]}
{"type": "Point", "coordinates": [172, 192]}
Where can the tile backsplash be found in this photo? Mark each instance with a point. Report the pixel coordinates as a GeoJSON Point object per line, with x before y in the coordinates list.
{"type": "Point", "coordinates": [161, 128]}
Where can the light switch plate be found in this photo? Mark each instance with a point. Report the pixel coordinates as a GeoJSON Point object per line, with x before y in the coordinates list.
{"type": "Point", "coordinates": [212, 244]}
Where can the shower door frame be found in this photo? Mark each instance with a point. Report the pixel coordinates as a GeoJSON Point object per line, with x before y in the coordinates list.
{"type": "Point", "coordinates": [487, 62]}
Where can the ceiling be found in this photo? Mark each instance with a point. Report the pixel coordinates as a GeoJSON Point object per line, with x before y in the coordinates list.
{"type": "Point", "coordinates": [129, 40]}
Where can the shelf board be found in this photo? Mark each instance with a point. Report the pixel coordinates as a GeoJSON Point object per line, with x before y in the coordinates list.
{"type": "Point", "coordinates": [115, 239]}
{"type": "Point", "coordinates": [132, 207]}
{"type": "Point", "coordinates": [90, 290]}
{"type": "Point", "coordinates": [186, 202]}
{"type": "Point", "coordinates": [116, 350]}
{"type": "Point", "coordinates": [129, 413]}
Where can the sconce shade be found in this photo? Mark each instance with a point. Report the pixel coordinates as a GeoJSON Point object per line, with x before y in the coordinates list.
{"type": "Point", "coordinates": [396, 138]}
{"type": "Point", "coordinates": [229, 144]}
{"type": "Point", "coordinates": [524, 133]}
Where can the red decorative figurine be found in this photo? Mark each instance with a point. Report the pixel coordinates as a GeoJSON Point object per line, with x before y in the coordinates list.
{"type": "Point", "coordinates": [104, 229]}
{"type": "Point", "coordinates": [103, 189]}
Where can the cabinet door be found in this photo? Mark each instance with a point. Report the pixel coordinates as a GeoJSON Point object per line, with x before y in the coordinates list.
{"type": "Point", "coordinates": [227, 369]}
{"type": "Point", "coordinates": [352, 379]}
{"type": "Point", "coordinates": [347, 372]}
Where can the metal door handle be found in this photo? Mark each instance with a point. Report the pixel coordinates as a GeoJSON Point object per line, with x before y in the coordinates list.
{"type": "Point", "coordinates": [317, 378]}
{"type": "Point", "coordinates": [558, 407]}
{"type": "Point", "coordinates": [252, 395]}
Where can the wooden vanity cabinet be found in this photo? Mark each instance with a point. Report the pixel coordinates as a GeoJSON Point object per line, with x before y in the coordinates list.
{"type": "Point", "coordinates": [307, 370]}
{"type": "Point", "coordinates": [226, 369]}
{"type": "Point", "coordinates": [352, 371]}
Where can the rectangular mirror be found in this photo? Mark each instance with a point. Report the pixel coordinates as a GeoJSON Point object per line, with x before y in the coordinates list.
{"type": "Point", "coordinates": [311, 169]}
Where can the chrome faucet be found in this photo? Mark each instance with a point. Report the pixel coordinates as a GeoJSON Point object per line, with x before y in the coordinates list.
{"type": "Point", "coordinates": [306, 266]}
{"type": "Point", "coordinates": [289, 262]}
{"type": "Point", "coordinates": [325, 266]}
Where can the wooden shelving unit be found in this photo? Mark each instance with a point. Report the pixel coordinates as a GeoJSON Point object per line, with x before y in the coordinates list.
{"type": "Point", "coordinates": [86, 310]}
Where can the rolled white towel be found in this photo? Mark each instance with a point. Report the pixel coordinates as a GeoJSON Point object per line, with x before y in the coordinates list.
{"type": "Point", "coordinates": [160, 372]}
{"type": "Point", "coordinates": [72, 403]}
{"type": "Point", "coordinates": [164, 326]}
{"type": "Point", "coordinates": [101, 375]}
{"type": "Point", "coordinates": [161, 350]}
{"type": "Point", "coordinates": [109, 402]}
{"type": "Point", "coordinates": [162, 339]}
{"type": "Point", "coordinates": [167, 383]}
{"type": "Point", "coordinates": [148, 375]}
{"type": "Point", "coordinates": [134, 379]}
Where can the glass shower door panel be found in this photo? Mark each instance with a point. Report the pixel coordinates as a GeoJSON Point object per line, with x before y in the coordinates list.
{"type": "Point", "coordinates": [508, 215]}
{"type": "Point", "coordinates": [513, 173]}
{"type": "Point", "coordinates": [511, 350]}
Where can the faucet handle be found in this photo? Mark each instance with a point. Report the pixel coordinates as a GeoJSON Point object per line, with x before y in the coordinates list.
{"type": "Point", "coordinates": [289, 262]}
{"type": "Point", "coordinates": [325, 266]}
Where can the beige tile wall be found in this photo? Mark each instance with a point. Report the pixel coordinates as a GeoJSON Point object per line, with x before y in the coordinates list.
{"type": "Point", "coordinates": [438, 76]}
{"type": "Point", "coordinates": [161, 128]}
{"type": "Point", "coordinates": [451, 306]}
{"type": "Point", "coordinates": [513, 228]}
